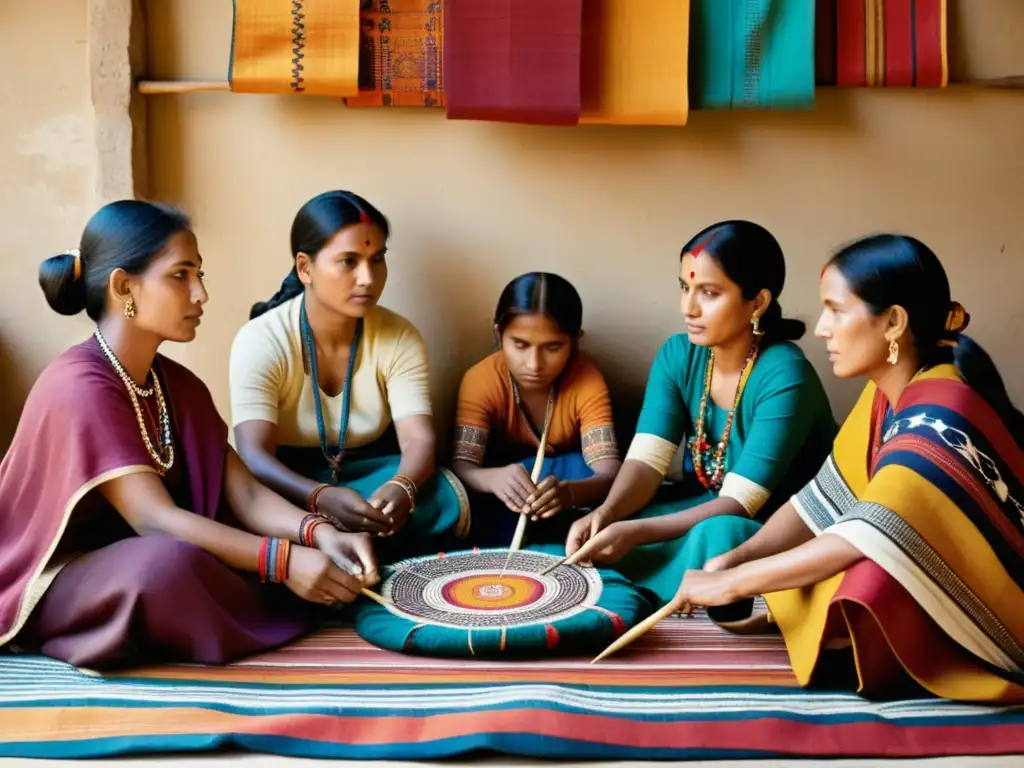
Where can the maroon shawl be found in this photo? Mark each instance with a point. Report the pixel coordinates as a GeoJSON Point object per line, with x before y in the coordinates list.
{"type": "Point", "coordinates": [515, 61]}
{"type": "Point", "coordinates": [77, 431]}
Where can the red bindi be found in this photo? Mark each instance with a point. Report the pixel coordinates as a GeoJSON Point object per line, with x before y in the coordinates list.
{"type": "Point", "coordinates": [367, 243]}
{"type": "Point", "coordinates": [693, 275]}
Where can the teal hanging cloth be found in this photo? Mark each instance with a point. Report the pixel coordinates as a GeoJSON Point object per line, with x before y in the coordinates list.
{"type": "Point", "coordinates": [752, 54]}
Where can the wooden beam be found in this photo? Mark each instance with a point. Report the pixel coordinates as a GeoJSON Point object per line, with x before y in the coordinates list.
{"type": "Point", "coordinates": [156, 87]}
{"type": "Point", "coordinates": [159, 87]}
{"type": "Point", "coordinates": [117, 55]}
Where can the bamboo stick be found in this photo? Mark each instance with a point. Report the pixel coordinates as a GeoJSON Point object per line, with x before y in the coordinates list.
{"type": "Point", "coordinates": [638, 631]}
{"type": "Point", "coordinates": [538, 464]}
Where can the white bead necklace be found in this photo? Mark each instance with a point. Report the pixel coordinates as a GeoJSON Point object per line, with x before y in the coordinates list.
{"type": "Point", "coordinates": [164, 459]}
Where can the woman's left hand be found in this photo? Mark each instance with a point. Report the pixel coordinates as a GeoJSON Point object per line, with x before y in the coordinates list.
{"type": "Point", "coordinates": [352, 552]}
{"type": "Point", "coordinates": [552, 496]}
{"type": "Point", "coordinates": [393, 501]}
{"type": "Point", "coordinates": [707, 589]}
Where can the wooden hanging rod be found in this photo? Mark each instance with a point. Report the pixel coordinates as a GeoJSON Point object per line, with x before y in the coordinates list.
{"type": "Point", "coordinates": [158, 87]}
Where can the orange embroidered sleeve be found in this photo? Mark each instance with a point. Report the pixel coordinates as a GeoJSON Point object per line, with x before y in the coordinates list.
{"type": "Point", "coordinates": [594, 410]}
{"type": "Point", "coordinates": [478, 409]}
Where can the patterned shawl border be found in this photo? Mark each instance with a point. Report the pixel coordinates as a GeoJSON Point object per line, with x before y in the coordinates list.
{"type": "Point", "coordinates": [897, 548]}
{"type": "Point", "coordinates": [824, 500]}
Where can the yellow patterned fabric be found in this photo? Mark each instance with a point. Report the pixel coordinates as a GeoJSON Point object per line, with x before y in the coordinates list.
{"type": "Point", "coordinates": [634, 68]}
{"type": "Point", "coordinates": [296, 47]}
{"type": "Point", "coordinates": [931, 493]}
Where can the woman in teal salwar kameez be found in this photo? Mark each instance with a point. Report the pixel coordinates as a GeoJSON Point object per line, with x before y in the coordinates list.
{"type": "Point", "coordinates": [734, 420]}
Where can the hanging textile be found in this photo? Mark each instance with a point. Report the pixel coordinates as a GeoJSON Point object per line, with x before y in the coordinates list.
{"type": "Point", "coordinates": [752, 54]}
{"type": "Point", "coordinates": [894, 43]}
{"type": "Point", "coordinates": [515, 61]}
{"type": "Point", "coordinates": [634, 64]}
{"type": "Point", "coordinates": [825, 42]}
{"type": "Point", "coordinates": [295, 47]}
{"type": "Point", "coordinates": [400, 54]}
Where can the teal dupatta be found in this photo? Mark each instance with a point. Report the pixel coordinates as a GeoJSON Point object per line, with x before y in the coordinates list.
{"type": "Point", "coordinates": [752, 54]}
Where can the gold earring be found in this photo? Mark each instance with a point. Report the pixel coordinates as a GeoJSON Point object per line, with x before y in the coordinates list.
{"type": "Point", "coordinates": [129, 308]}
{"type": "Point", "coordinates": [894, 353]}
{"type": "Point", "coordinates": [756, 322]}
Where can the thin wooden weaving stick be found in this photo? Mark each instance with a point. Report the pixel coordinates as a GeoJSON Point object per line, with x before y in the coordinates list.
{"type": "Point", "coordinates": [351, 568]}
{"type": "Point", "coordinates": [638, 631]}
{"type": "Point", "coordinates": [572, 559]}
{"type": "Point", "coordinates": [375, 597]}
{"type": "Point", "coordinates": [538, 463]}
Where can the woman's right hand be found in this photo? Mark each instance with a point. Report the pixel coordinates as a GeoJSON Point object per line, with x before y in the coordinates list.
{"type": "Point", "coordinates": [614, 542]}
{"type": "Point", "coordinates": [586, 528]}
{"type": "Point", "coordinates": [513, 486]}
{"type": "Point", "coordinates": [350, 512]}
{"type": "Point", "coordinates": [315, 578]}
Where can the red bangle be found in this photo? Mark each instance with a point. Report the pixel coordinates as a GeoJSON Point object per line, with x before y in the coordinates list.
{"type": "Point", "coordinates": [264, 551]}
{"type": "Point", "coordinates": [274, 557]}
{"type": "Point", "coordinates": [306, 528]}
{"type": "Point", "coordinates": [313, 496]}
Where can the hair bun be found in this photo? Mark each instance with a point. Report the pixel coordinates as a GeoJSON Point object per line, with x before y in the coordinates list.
{"type": "Point", "coordinates": [958, 318]}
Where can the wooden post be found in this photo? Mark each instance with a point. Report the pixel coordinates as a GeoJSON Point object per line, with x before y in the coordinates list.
{"type": "Point", "coordinates": [117, 55]}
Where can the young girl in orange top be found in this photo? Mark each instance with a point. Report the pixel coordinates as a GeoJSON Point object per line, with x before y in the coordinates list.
{"type": "Point", "coordinates": [537, 381]}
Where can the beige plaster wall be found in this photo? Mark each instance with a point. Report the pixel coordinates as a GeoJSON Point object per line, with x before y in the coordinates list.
{"type": "Point", "coordinates": [474, 204]}
{"type": "Point", "coordinates": [46, 182]}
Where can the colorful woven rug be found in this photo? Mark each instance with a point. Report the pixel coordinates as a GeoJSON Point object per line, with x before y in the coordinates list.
{"type": "Point", "coordinates": [686, 690]}
{"type": "Point", "coordinates": [400, 44]}
{"type": "Point", "coordinates": [514, 61]}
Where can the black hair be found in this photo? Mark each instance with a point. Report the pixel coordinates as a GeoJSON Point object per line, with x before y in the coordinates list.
{"type": "Point", "coordinates": [127, 235]}
{"type": "Point", "coordinates": [541, 293]}
{"type": "Point", "coordinates": [886, 271]}
{"type": "Point", "coordinates": [752, 258]}
{"type": "Point", "coordinates": [319, 220]}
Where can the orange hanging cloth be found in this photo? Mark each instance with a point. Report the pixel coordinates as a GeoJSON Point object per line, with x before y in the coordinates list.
{"type": "Point", "coordinates": [634, 65]}
{"type": "Point", "coordinates": [400, 43]}
{"type": "Point", "coordinates": [295, 47]}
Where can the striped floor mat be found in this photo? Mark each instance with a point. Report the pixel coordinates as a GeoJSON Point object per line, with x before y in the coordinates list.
{"type": "Point", "coordinates": [687, 690]}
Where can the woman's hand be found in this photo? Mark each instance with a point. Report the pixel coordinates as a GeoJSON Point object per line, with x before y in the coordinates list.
{"type": "Point", "coordinates": [313, 577]}
{"type": "Point", "coordinates": [349, 511]}
{"type": "Point", "coordinates": [586, 528]}
{"type": "Point", "coordinates": [392, 500]}
{"type": "Point", "coordinates": [551, 497]}
{"type": "Point", "coordinates": [707, 589]}
{"type": "Point", "coordinates": [513, 486]}
{"type": "Point", "coordinates": [352, 552]}
{"type": "Point", "coordinates": [611, 543]}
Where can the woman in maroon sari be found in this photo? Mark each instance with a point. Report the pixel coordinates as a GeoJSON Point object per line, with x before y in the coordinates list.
{"type": "Point", "coordinates": [129, 530]}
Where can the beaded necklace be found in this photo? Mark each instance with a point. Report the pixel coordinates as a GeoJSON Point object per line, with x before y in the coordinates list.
{"type": "Point", "coordinates": [333, 458]}
{"type": "Point", "coordinates": [708, 465]}
{"type": "Point", "coordinates": [548, 410]}
{"type": "Point", "coordinates": [164, 459]}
